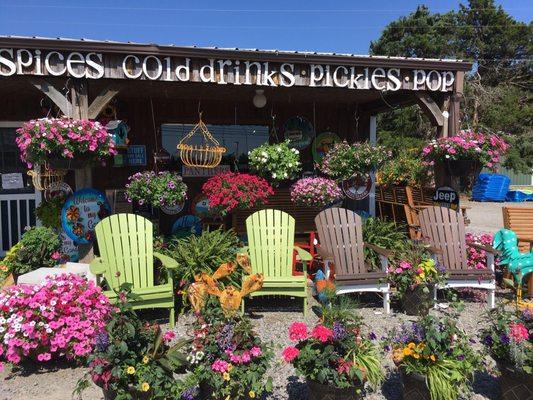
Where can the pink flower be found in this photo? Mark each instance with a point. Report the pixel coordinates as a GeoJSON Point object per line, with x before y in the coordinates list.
{"type": "Point", "coordinates": [220, 366]}
{"type": "Point", "coordinates": [56, 255]}
{"type": "Point", "coordinates": [398, 270]}
{"type": "Point", "coordinates": [255, 351]}
{"type": "Point", "coordinates": [290, 353]}
{"type": "Point", "coordinates": [297, 331]}
{"type": "Point", "coordinates": [168, 336]}
{"type": "Point", "coordinates": [405, 265]}
{"type": "Point", "coordinates": [322, 333]}
{"type": "Point", "coordinates": [518, 332]}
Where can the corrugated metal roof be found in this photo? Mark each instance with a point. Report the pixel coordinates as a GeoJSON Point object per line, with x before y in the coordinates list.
{"type": "Point", "coordinates": [274, 52]}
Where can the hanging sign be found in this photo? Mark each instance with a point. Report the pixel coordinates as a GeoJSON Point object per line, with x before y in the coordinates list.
{"type": "Point", "coordinates": [81, 212]}
{"type": "Point", "coordinates": [136, 155]}
{"type": "Point", "coordinates": [299, 132]}
{"type": "Point", "coordinates": [446, 197]}
{"type": "Point", "coordinates": [322, 144]}
{"type": "Point", "coordinates": [198, 172]}
{"type": "Point", "coordinates": [358, 186]}
{"type": "Point", "coordinates": [12, 181]}
{"type": "Point", "coordinates": [172, 210]}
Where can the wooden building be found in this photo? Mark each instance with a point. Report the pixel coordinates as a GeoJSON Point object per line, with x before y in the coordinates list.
{"type": "Point", "coordinates": [154, 88]}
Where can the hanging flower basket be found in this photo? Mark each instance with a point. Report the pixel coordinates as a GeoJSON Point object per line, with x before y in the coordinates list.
{"type": "Point", "coordinates": [63, 143]}
{"type": "Point", "coordinates": [153, 189]}
{"type": "Point", "coordinates": [315, 192]}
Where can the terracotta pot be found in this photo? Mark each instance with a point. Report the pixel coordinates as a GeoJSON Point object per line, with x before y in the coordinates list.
{"type": "Point", "coordinates": [318, 391]}
{"type": "Point", "coordinates": [417, 302]}
{"type": "Point", "coordinates": [515, 384]}
{"type": "Point", "coordinates": [414, 386]}
{"type": "Point", "coordinates": [461, 167]}
{"type": "Point", "coordinates": [78, 162]}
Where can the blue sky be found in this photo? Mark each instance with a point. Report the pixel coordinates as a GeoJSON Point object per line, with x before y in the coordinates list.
{"type": "Point", "coordinates": [337, 26]}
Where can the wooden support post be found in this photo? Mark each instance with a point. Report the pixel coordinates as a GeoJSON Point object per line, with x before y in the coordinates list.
{"type": "Point", "coordinates": [454, 124]}
{"type": "Point", "coordinates": [104, 97]}
{"type": "Point", "coordinates": [53, 94]}
{"type": "Point", "coordinates": [373, 141]}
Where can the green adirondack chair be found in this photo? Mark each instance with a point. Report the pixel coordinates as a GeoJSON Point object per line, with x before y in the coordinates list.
{"type": "Point", "coordinates": [127, 254]}
{"type": "Point", "coordinates": [271, 246]}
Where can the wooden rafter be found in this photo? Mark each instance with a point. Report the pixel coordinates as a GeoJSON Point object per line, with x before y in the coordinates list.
{"type": "Point", "coordinates": [103, 98]}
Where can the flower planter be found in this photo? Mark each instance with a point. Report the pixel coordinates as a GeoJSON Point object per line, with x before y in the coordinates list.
{"type": "Point", "coordinates": [317, 391]}
{"type": "Point", "coordinates": [206, 393]}
{"type": "Point", "coordinates": [417, 302]}
{"type": "Point", "coordinates": [414, 386]}
{"type": "Point", "coordinates": [462, 167]}
{"type": "Point", "coordinates": [515, 384]}
{"type": "Point", "coordinates": [134, 393]}
{"type": "Point", "coordinates": [78, 162]}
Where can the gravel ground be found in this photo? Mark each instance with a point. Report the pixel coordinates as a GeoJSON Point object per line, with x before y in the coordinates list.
{"type": "Point", "coordinates": [58, 382]}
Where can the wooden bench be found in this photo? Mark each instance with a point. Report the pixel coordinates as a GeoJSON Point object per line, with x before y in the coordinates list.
{"type": "Point", "coordinates": [403, 204]}
{"type": "Point", "coordinates": [520, 221]}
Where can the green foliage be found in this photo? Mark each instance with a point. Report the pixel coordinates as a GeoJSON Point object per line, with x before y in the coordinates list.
{"type": "Point", "coordinates": [203, 253]}
{"type": "Point", "coordinates": [35, 250]}
{"type": "Point", "coordinates": [49, 212]}
{"type": "Point", "coordinates": [233, 345]}
{"type": "Point", "coordinates": [405, 168]}
{"type": "Point", "coordinates": [383, 233]}
{"type": "Point", "coordinates": [131, 357]}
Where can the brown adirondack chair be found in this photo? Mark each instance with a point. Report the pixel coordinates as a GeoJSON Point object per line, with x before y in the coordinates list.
{"type": "Point", "coordinates": [340, 233]}
{"type": "Point", "coordinates": [444, 230]}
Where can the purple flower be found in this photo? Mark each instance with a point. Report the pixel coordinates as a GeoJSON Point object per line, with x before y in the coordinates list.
{"type": "Point", "coordinates": [224, 338]}
{"type": "Point", "coordinates": [101, 341]}
{"type": "Point", "coordinates": [504, 338]}
{"type": "Point", "coordinates": [189, 394]}
{"type": "Point", "coordinates": [372, 336]}
{"type": "Point", "coordinates": [339, 331]}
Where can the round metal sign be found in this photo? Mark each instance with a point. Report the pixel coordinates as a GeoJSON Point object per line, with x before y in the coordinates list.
{"type": "Point", "coordinates": [57, 189]}
{"type": "Point", "coordinates": [299, 132]}
{"type": "Point", "coordinates": [173, 210]}
{"type": "Point", "coordinates": [358, 186]}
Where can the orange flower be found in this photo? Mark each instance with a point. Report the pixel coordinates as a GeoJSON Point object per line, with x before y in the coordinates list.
{"type": "Point", "coordinates": [73, 213]}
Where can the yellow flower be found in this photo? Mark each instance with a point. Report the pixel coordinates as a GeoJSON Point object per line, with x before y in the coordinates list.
{"type": "Point", "coordinates": [145, 387]}
{"type": "Point", "coordinates": [227, 397]}
{"type": "Point", "coordinates": [130, 370]}
{"type": "Point", "coordinates": [411, 345]}
{"type": "Point", "coordinates": [432, 357]}
{"type": "Point", "coordinates": [421, 346]}
{"type": "Point", "coordinates": [407, 351]}
{"type": "Point", "coordinates": [230, 367]}
{"type": "Point", "coordinates": [146, 359]}
{"type": "Point", "coordinates": [416, 355]}
{"type": "Point", "coordinates": [226, 376]}
{"type": "Point", "coordinates": [251, 394]}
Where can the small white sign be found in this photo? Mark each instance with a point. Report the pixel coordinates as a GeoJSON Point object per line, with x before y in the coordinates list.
{"type": "Point", "coordinates": [12, 181]}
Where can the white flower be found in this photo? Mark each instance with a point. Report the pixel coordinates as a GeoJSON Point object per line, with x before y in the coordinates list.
{"type": "Point", "coordinates": [264, 154]}
{"type": "Point", "coordinates": [290, 165]}
{"type": "Point", "coordinates": [2, 329]}
{"type": "Point", "coordinates": [447, 156]}
{"type": "Point", "coordinates": [199, 355]}
{"type": "Point", "coordinates": [278, 149]}
{"type": "Point", "coordinates": [285, 175]}
{"type": "Point", "coordinates": [274, 175]}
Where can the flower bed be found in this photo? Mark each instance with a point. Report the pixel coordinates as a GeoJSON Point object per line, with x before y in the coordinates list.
{"type": "Point", "coordinates": [42, 139]}
{"type": "Point", "coordinates": [156, 189]}
{"type": "Point", "coordinates": [275, 162]}
{"type": "Point", "coordinates": [345, 160]}
{"type": "Point", "coordinates": [230, 191]}
{"type": "Point", "coordinates": [315, 192]}
{"type": "Point", "coordinates": [57, 319]}
{"type": "Point", "coordinates": [485, 149]}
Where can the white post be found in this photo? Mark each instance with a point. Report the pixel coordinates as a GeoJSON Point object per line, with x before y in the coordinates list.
{"type": "Point", "coordinates": [373, 141]}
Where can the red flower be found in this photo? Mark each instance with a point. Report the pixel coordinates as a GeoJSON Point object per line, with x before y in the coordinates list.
{"type": "Point", "coordinates": [322, 333]}
{"type": "Point", "coordinates": [298, 331]}
{"type": "Point", "coordinates": [518, 332]}
{"type": "Point", "coordinates": [290, 353]}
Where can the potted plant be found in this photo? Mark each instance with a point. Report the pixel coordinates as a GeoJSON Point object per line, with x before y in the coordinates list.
{"type": "Point", "coordinates": [39, 247]}
{"type": "Point", "coordinates": [466, 153]}
{"type": "Point", "coordinates": [228, 191]}
{"type": "Point", "coordinates": [507, 337]}
{"type": "Point", "coordinates": [435, 358]}
{"type": "Point", "coordinates": [49, 212]}
{"type": "Point", "coordinates": [276, 162]}
{"type": "Point", "coordinates": [157, 190]}
{"type": "Point", "coordinates": [334, 356]}
{"type": "Point", "coordinates": [63, 143]}
{"type": "Point", "coordinates": [316, 192]}
{"type": "Point", "coordinates": [414, 275]}
{"type": "Point", "coordinates": [132, 360]}
{"type": "Point", "coordinates": [58, 319]}
{"type": "Point", "coordinates": [345, 160]}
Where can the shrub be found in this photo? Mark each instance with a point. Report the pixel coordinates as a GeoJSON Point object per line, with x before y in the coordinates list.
{"type": "Point", "coordinates": [203, 253]}
{"type": "Point", "coordinates": [228, 191]}
{"type": "Point", "coordinates": [134, 360]}
{"type": "Point", "coordinates": [156, 189]}
{"type": "Point", "coordinates": [404, 169]}
{"type": "Point", "coordinates": [486, 149]}
{"type": "Point", "coordinates": [41, 139]}
{"type": "Point", "coordinates": [334, 352]}
{"type": "Point", "coordinates": [58, 319]}
{"type": "Point", "coordinates": [38, 247]}
{"type": "Point", "coordinates": [383, 233]}
{"type": "Point", "coordinates": [275, 161]}
{"type": "Point", "coordinates": [49, 212]}
{"type": "Point", "coordinates": [345, 160]}
{"type": "Point", "coordinates": [315, 192]}
{"type": "Point", "coordinates": [437, 349]}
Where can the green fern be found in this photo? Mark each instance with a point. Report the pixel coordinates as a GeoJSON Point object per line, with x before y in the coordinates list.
{"type": "Point", "coordinates": [383, 233]}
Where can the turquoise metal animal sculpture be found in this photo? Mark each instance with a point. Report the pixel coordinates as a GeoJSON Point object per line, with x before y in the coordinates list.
{"type": "Point", "coordinates": [519, 264]}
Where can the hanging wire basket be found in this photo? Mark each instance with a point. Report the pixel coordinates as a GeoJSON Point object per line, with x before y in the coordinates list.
{"type": "Point", "coordinates": [208, 154]}
{"type": "Point", "coordinates": [44, 178]}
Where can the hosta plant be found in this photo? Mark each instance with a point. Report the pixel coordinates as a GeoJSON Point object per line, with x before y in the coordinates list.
{"type": "Point", "coordinates": [276, 162]}
{"type": "Point", "coordinates": [58, 319]}
{"type": "Point", "coordinates": [42, 139]}
{"type": "Point", "coordinates": [315, 192]}
{"type": "Point", "coordinates": [438, 350]}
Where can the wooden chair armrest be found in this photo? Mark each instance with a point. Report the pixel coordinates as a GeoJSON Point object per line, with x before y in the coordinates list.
{"type": "Point", "coordinates": [433, 249]}
{"type": "Point", "coordinates": [380, 250]}
{"type": "Point", "coordinates": [97, 266]}
{"type": "Point", "coordinates": [525, 239]}
{"type": "Point", "coordinates": [303, 254]}
{"type": "Point", "coordinates": [322, 252]}
{"type": "Point", "coordinates": [168, 262]}
{"type": "Point", "coordinates": [488, 249]}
